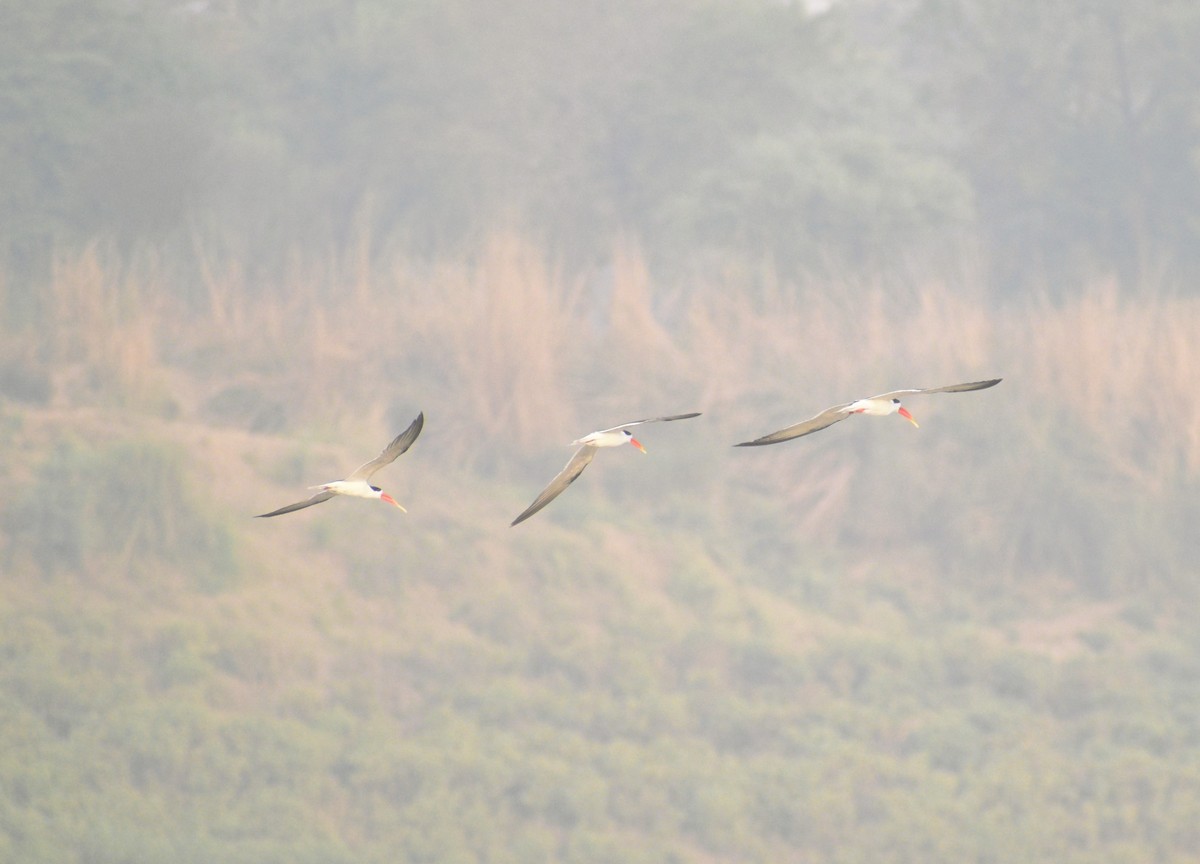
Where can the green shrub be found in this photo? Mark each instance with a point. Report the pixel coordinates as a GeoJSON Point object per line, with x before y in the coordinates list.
{"type": "Point", "coordinates": [127, 504]}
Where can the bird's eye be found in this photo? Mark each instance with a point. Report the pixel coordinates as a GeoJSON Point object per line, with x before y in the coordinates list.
{"type": "Point", "coordinates": [895, 401]}
{"type": "Point", "coordinates": [628, 434]}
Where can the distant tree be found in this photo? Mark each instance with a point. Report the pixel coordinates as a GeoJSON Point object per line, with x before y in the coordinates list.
{"type": "Point", "coordinates": [742, 127]}
{"type": "Point", "coordinates": [835, 163]}
{"type": "Point", "coordinates": [1078, 124]}
{"type": "Point", "coordinates": [100, 130]}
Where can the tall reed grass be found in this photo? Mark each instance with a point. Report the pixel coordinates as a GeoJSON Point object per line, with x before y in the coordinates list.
{"type": "Point", "coordinates": [100, 314]}
{"type": "Point", "coordinates": [510, 355]}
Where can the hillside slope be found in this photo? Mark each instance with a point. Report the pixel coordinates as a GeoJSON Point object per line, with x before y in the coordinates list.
{"type": "Point", "coordinates": [879, 644]}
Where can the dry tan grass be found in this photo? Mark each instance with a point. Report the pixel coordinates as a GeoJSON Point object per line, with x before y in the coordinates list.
{"type": "Point", "coordinates": [508, 350]}
{"type": "Point", "coordinates": [511, 326]}
{"type": "Point", "coordinates": [1126, 369]}
{"type": "Point", "coordinates": [104, 317]}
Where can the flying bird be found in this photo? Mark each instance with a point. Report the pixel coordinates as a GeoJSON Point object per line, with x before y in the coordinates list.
{"type": "Point", "coordinates": [357, 485]}
{"type": "Point", "coordinates": [588, 445]}
{"type": "Point", "coordinates": [874, 406]}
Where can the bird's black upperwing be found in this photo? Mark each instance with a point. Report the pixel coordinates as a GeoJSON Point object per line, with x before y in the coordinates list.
{"type": "Point", "coordinates": [565, 478]}
{"type": "Point", "coordinates": [949, 388]}
{"type": "Point", "coordinates": [299, 505]}
{"type": "Point", "coordinates": [389, 453]}
{"type": "Point", "coordinates": [814, 424]}
{"type": "Point", "coordinates": [652, 420]}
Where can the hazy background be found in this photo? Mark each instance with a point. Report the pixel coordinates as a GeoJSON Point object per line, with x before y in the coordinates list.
{"type": "Point", "coordinates": [242, 244]}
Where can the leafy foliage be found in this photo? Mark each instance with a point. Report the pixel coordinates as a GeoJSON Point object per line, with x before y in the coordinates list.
{"type": "Point", "coordinates": [1062, 134]}
{"type": "Point", "coordinates": [985, 658]}
{"type": "Point", "coordinates": [94, 140]}
{"type": "Point", "coordinates": [127, 505]}
{"type": "Point", "coordinates": [1078, 126]}
{"type": "Point", "coordinates": [976, 647]}
{"type": "Point", "coordinates": [725, 743]}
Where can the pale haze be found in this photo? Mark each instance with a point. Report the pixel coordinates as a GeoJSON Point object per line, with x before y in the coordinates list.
{"type": "Point", "coordinates": [244, 243]}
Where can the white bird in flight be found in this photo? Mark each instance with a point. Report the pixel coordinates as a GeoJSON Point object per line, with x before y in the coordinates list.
{"type": "Point", "coordinates": [874, 406]}
{"type": "Point", "coordinates": [357, 485]}
{"type": "Point", "coordinates": [588, 445]}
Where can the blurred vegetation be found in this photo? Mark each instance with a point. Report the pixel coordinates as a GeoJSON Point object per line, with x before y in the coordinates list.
{"type": "Point", "coordinates": [127, 506]}
{"type": "Point", "coordinates": [1057, 137]}
{"type": "Point", "coordinates": [245, 242]}
{"type": "Point", "coordinates": [538, 730]}
{"type": "Point", "coordinates": [968, 642]}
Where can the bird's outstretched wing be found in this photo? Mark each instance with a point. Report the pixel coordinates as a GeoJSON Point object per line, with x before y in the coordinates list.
{"type": "Point", "coordinates": [299, 505]}
{"type": "Point", "coordinates": [806, 427]}
{"type": "Point", "coordinates": [649, 420]}
{"type": "Point", "coordinates": [399, 444]}
{"type": "Point", "coordinates": [949, 388]}
{"type": "Point", "coordinates": [565, 478]}
{"type": "Point", "coordinates": [832, 415]}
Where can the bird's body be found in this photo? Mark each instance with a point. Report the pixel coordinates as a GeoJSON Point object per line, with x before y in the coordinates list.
{"type": "Point", "coordinates": [357, 485]}
{"type": "Point", "coordinates": [877, 407]}
{"type": "Point", "coordinates": [610, 438]}
{"type": "Point", "coordinates": [353, 488]}
{"type": "Point", "coordinates": [873, 406]}
{"type": "Point", "coordinates": [588, 445]}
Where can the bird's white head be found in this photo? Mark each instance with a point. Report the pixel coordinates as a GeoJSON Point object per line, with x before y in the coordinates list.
{"type": "Point", "coordinates": [636, 443]}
